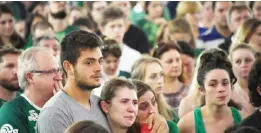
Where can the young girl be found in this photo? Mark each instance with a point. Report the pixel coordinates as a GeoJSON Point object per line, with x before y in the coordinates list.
{"type": "Point", "coordinates": [216, 79]}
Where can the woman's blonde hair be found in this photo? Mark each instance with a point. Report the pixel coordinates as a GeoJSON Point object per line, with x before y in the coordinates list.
{"type": "Point", "coordinates": [245, 31]}
{"type": "Point", "coordinates": [185, 7]}
{"type": "Point", "coordinates": [139, 71]}
{"type": "Point", "coordinates": [179, 25]}
{"type": "Point", "coordinates": [241, 46]}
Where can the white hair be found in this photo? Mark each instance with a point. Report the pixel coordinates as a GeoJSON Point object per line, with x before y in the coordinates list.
{"type": "Point", "coordinates": [27, 63]}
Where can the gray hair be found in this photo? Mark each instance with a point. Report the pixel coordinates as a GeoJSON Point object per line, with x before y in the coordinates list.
{"type": "Point", "coordinates": [27, 63]}
{"type": "Point", "coordinates": [42, 38]}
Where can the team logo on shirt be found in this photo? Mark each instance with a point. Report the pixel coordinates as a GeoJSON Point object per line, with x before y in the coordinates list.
{"type": "Point", "coordinates": [7, 128]}
{"type": "Point", "coordinates": [33, 115]}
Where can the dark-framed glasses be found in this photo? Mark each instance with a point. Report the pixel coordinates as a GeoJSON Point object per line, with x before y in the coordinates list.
{"type": "Point", "coordinates": [49, 72]}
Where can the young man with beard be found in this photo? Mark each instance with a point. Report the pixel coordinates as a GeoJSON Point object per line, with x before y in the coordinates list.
{"type": "Point", "coordinates": [8, 74]}
{"type": "Point", "coordinates": [82, 65]}
{"type": "Point", "coordinates": [57, 17]}
{"type": "Point", "coordinates": [40, 77]}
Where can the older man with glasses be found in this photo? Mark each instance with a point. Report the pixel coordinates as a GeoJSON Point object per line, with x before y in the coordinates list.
{"type": "Point", "coordinates": [40, 77]}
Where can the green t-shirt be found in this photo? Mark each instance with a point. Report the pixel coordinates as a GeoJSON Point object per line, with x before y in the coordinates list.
{"type": "Point", "coordinates": [59, 35]}
{"type": "Point", "coordinates": [19, 116]}
{"type": "Point", "coordinates": [2, 101]}
{"type": "Point", "coordinates": [173, 128]}
{"type": "Point", "coordinates": [150, 29]}
{"type": "Point", "coordinates": [124, 74]}
{"type": "Point", "coordinates": [29, 42]}
{"type": "Point", "coordinates": [136, 16]}
{"type": "Point", "coordinates": [199, 123]}
{"type": "Point", "coordinates": [175, 117]}
{"type": "Point", "coordinates": [62, 34]}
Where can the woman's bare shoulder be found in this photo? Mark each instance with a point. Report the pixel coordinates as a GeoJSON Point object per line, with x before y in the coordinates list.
{"type": "Point", "coordinates": [187, 104]}
{"type": "Point", "coordinates": [187, 123]}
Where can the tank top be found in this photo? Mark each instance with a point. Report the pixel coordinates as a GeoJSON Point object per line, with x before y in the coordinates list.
{"type": "Point", "coordinates": [199, 125]}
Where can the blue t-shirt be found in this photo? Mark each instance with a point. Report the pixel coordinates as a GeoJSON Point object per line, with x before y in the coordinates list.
{"type": "Point", "coordinates": [210, 39]}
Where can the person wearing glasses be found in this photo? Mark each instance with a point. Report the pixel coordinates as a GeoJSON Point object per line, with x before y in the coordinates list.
{"type": "Point", "coordinates": [39, 76]}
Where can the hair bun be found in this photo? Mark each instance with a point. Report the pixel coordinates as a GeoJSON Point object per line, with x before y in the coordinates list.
{"type": "Point", "coordinates": [215, 57]}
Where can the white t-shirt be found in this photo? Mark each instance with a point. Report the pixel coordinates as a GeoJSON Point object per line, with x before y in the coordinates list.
{"type": "Point", "coordinates": [128, 58]}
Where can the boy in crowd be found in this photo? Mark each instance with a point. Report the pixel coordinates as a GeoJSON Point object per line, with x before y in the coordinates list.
{"type": "Point", "coordinates": [113, 26]}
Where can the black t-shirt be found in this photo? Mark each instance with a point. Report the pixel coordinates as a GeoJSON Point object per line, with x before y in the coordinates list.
{"type": "Point", "coordinates": [254, 120]}
{"type": "Point", "coordinates": [136, 39]}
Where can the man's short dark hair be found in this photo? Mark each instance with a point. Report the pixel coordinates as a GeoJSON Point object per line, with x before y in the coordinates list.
{"type": "Point", "coordinates": [241, 129]}
{"type": "Point", "coordinates": [89, 23]}
{"type": "Point", "coordinates": [74, 42]}
{"type": "Point", "coordinates": [214, 3]}
{"type": "Point", "coordinates": [4, 9]}
{"type": "Point", "coordinates": [8, 50]}
{"type": "Point", "coordinates": [111, 47]}
{"type": "Point", "coordinates": [251, 4]}
{"type": "Point", "coordinates": [111, 13]}
{"type": "Point", "coordinates": [254, 81]}
{"type": "Point", "coordinates": [186, 48]}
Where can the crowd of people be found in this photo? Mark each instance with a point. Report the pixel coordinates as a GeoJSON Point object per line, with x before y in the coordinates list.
{"type": "Point", "coordinates": [130, 67]}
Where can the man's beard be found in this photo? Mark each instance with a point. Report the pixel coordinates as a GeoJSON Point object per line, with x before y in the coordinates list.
{"type": "Point", "coordinates": [9, 87]}
{"type": "Point", "coordinates": [82, 83]}
{"type": "Point", "coordinates": [59, 15]}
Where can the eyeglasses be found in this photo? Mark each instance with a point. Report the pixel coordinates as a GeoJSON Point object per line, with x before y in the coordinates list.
{"type": "Point", "coordinates": [48, 72]}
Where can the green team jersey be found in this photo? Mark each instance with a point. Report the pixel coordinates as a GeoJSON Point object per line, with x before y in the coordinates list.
{"type": "Point", "coordinates": [18, 116]}
{"type": "Point", "coordinates": [62, 34]}
{"type": "Point", "coordinates": [2, 101]}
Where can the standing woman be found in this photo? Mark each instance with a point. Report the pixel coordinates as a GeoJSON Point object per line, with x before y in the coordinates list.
{"type": "Point", "coordinates": [8, 37]}
{"type": "Point", "coordinates": [242, 58]}
{"type": "Point", "coordinates": [174, 88]}
{"type": "Point", "coordinates": [149, 70]}
{"type": "Point", "coordinates": [216, 79]}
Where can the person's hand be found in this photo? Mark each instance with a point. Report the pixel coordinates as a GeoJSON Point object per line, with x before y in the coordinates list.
{"type": "Point", "coordinates": [157, 123]}
{"type": "Point", "coordinates": [57, 87]}
{"type": "Point", "coordinates": [160, 21]}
